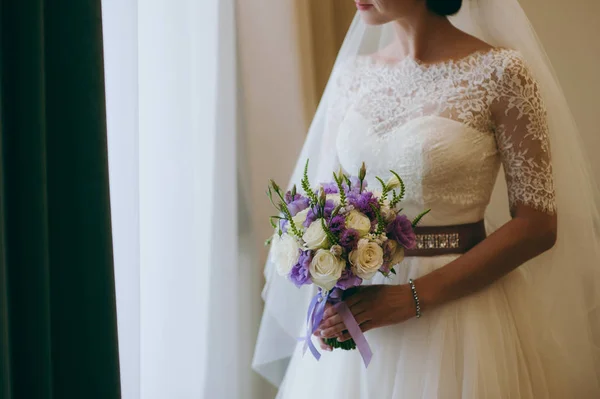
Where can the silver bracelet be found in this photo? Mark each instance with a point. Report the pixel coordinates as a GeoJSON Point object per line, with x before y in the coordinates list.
{"type": "Point", "coordinates": [415, 296]}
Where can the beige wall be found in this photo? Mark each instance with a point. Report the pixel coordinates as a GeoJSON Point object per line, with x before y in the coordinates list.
{"type": "Point", "coordinates": [571, 35]}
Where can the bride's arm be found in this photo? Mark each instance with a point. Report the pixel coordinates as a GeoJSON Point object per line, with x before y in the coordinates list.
{"type": "Point", "coordinates": [521, 130]}
{"type": "Point", "coordinates": [526, 236]}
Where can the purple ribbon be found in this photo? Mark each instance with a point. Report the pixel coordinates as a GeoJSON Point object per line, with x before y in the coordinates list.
{"type": "Point", "coordinates": [313, 319]}
{"type": "Point", "coordinates": [315, 316]}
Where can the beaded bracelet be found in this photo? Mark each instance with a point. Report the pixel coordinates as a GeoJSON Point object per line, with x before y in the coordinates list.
{"type": "Point", "coordinates": [415, 296]}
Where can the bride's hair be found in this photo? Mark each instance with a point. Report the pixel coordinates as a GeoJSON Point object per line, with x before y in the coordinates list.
{"type": "Point", "coordinates": [444, 7]}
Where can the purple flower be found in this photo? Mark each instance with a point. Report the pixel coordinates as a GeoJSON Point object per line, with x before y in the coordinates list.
{"type": "Point", "coordinates": [283, 224]}
{"type": "Point", "coordinates": [300, 273]}
{"type": "Point", "coordinates": [348, 280]}
{"type": "Point", "coordinates": [349, 239]}
{"type": "Point", "coordinates": [401, 230]}
{"type": "Point", "coordinates": [355, 184]}
{"type": "Point", "coordinates": [330, 188]}
{"type": "Point", "coordinates": [298, 204]}
{"type": "Point", "coordinates": [364, 202]}
{"type": "Point", "coordinates": [337, 224]}
{"type": "Point", "coordinates": [312, 214]}
{"type": "Point", "coordinates": [289, 199]}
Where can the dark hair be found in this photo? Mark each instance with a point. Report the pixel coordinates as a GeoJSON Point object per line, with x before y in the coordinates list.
{"type": "Point", "coordinates": [444, 7]}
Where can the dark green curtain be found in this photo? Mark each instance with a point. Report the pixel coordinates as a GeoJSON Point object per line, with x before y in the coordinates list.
{"type": "Point", "coordinates": [58, 335]}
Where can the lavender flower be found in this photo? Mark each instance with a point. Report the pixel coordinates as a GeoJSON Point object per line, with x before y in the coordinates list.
{"type": "Point", "coordinates": [337, 224]}
{"type": "Point", "coordinates": [313, 213]}
{"type": "Point", "coordinates": [401, 230]}
{"type": "Point", "coordinates": [348, 280]}
{"type": "Point", "coordinates": [283, 225]}
{"type": "Point", "coordinates": [349, 239]}
{"type": "Point", "coordinates": [330, 188]}
{"type": "Point", "coordinates": [300, 272]}
{"type": "Point", "coordinates": [289, 199]}
{"type": "Point", "coordinates": [364, 202]}
{"type": "Point", "coordinates": [298, 205]}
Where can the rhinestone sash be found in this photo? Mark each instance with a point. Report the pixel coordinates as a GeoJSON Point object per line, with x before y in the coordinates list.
{"type": "Point", "coordinates": [442, 240]}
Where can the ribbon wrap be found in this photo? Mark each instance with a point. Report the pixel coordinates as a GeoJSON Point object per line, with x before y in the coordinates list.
{"type": "Point", "coordinates": [314, 318]}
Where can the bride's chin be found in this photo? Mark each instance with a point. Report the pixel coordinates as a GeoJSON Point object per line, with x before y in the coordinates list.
{"type": "Point", "coordinates": [371, 18]}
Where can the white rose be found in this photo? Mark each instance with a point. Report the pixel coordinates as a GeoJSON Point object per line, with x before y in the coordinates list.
{"type": "Point", "coordinates": [366, 259]}
{"type": "Point", "coordinates": [387, 213]}
{"type": "Point", "coordinates": [335, 198]}
{"type": "Point", "coordinates": [300, 218]}
{"type": "Point", "coordinates": [286, 252]}
{"type": "Point", "coordinates": [393, 182]}
{"type": "Point", "coordinates": [336, 250]}
{"type": "Point", "coordinates": [395, 252]}
{"type": "Point", "coordinates": [315, 236]}
{"type": "Point", "coordinates": [326, 269]}
{"type": "Point", "coordinates": [359, 222]}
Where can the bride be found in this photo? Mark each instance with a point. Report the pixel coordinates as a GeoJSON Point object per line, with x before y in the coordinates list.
{"type": "Point", "coordinates": [506, 270]}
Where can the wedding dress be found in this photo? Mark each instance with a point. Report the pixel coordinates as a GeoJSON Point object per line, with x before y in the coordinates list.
{"type": "Point", "coordinates": [472, 138]}
{"type": "Point", "coordinates": [433, 124]}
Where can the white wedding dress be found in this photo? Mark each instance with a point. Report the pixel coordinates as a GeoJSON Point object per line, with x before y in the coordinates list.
{"type": "Point", "coordinates": [447, 128]}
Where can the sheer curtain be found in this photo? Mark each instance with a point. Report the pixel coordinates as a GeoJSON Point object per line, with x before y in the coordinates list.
{"type": "Point", "coordinates": [181, 228]}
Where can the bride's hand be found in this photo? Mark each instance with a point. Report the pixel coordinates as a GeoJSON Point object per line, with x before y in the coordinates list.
{"type": "Point", "coordinates": [373, 306]}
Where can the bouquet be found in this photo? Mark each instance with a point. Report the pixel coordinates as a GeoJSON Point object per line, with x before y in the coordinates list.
{"type": "Point", "coordinates": [336, 236]}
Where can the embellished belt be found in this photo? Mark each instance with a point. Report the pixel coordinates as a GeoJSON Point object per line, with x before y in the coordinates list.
{"type": "Point", "coordinates": [444, 240]}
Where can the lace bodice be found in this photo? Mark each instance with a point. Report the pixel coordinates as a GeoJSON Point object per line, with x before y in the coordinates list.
{"type": "Point", "coordinates": [446, 128]}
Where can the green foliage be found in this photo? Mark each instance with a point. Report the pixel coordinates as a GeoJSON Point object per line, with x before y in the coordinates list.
{"type": "Point", "coordinates": [306, 187]}
{"type": "Point", "coordinates": [419, 217]}
{"type": "Point", "coordinates": [332, 238]}
{"type": "Point", "coordinates": [380, 221]}
{"type": "Point", "coordinates": [342, 192]}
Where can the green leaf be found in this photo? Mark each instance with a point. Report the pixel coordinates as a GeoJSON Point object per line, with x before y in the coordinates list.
{"type": "Point", "coordinates": [342, 192]}
{"type": "Point", "coordinates": [393, 271]}
{"type": "Point", "coordinates": [400, 197]}
{"type": "Point", "coordinates": [332, 239]}
{"type": "Point", "coordinates": [306, 187]}
{"type": "Point", "coordinates": [419, 217]}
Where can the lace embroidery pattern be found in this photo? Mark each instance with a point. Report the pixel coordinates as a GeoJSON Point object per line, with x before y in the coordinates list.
{"type": "Point", "coordinates": [491, 92]}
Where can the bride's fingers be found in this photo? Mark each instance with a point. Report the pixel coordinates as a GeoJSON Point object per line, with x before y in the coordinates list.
{"type": "Point", "coordinates": [330, 322]}
{"type": "Point", "coordinates": [324, 346]}
{"type": "Point", "coordinates": [366, 326]}
{"type": "Point", "coordinates": [329, 311]}
{"type": "Point", "coordinates": [335, 330]}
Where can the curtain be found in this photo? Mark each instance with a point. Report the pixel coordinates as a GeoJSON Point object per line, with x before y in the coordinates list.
{"type": "Point", "coordinates": [322, 27]}
{"type": "Point", "coordinates": [58, 336]}
{"type": "Point", "coordinates": [184, 257]}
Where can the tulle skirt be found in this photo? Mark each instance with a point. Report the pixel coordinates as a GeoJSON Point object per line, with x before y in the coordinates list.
{"type": "Point", "coordinates": [483, 346]}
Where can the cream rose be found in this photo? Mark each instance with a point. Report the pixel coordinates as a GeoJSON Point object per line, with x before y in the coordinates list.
{"type": "Point", "coordinates": [387, 213]}
{"type": "Point", "coordinates": [315, 236]}
{"type": "Point", "coordinates": [300, 218]}
{"type": "Point", "coordinates": [394, 252]}
{"type": "Point", "coordinates": [286, 252]}
{"type": "Point", "coordinates": [393, 182]}
{"type": "Point", "coordinates": [366, 259]}
{"type": "Point", "coordinates": [359, 222]}
{"type": "Point", "coordinates": [326, 269]}
{"type": "Point", "coordinates": [335, 198]}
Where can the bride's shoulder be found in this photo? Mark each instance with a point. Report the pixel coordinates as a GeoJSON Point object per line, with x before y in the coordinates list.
{"type": "Point", "coordinates": [511, 67]}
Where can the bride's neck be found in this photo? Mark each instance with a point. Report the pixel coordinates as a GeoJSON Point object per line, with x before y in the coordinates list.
{"type": "Point", "coordinates": [422, 36]}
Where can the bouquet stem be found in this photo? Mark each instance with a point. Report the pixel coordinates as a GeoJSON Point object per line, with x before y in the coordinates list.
{"type": "Point", "coordinates": [346, 345]}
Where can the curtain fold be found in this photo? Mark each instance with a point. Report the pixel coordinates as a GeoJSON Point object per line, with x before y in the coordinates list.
{"type": "Point", "coordinates": [57, 304]}
{"type": "Point", "coordinates": [186, 307]}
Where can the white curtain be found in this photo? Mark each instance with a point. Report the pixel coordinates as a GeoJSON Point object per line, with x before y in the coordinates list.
{"type": "Point", "coordinates": [187, 307]}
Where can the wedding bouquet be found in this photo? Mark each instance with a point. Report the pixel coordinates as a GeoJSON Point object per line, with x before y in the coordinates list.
{"type": "Point", "coordinates": [336, 236]}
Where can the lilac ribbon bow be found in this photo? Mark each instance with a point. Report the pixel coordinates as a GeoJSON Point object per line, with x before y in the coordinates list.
{"type": "Point", "coordinates": [315, 316]}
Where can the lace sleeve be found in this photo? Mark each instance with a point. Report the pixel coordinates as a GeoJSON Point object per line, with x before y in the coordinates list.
{"type": "Point", "coordinates": [521, 129]}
